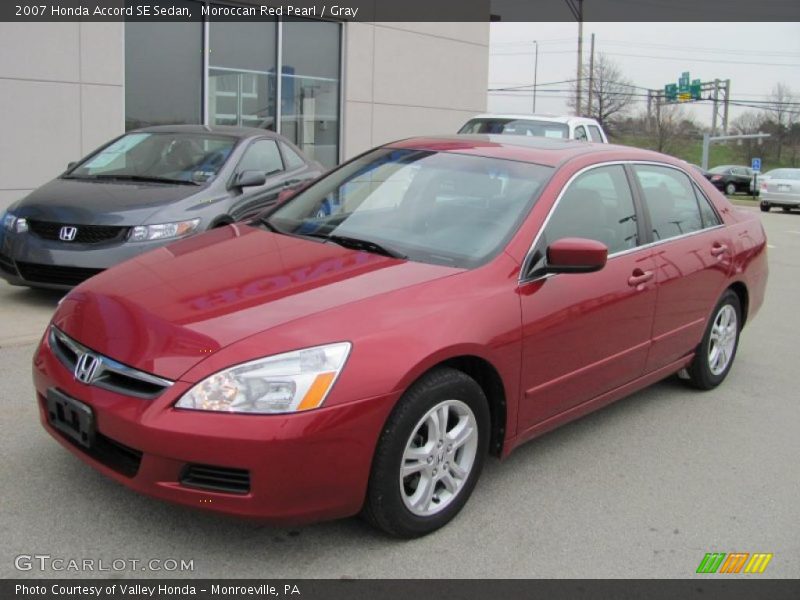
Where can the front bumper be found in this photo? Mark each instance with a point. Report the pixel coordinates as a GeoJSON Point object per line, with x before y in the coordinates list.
{"type": "Point", "coordinates": [301, 467]}
{"type": "Point", "coordinates": [26, 259]}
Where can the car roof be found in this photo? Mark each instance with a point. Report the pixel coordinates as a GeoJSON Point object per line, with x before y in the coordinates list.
{"type": "Point", "coordinates": [566, 119]}
{"type": "Point", "coordinates": [550, 152]}
{"type": "Point", "coordinates": [239, 132]}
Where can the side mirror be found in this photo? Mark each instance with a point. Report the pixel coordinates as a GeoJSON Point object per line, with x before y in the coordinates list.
{"type": "Point", "coordinates": [71, 165]}
{"type": "Point", "coordinates": [250, 179]}
{"type": "Point", "coordinates": [576, 255]}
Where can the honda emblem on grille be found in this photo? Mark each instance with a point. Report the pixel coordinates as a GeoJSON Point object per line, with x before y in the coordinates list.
{"type": "Point", "coordinates": [86, 367]}
{"type": "Point", "coordinates": [67, 233]}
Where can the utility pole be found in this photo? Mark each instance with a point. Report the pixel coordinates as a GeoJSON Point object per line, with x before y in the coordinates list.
{"type": "Point", "coordinates": [576, 7]}
{"type": "Point", "coordinates": [535, 69]}
{"type": "Point", "coordinates": [591, 80]}
{"type": "Point", "coordinates": [725, 110]}
{"type": "Point", "coordinates": [716, 109]}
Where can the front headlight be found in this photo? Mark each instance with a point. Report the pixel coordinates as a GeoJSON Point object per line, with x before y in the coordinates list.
{"type": "Point", "coordinates": [12, 223]}
{"type": "Point", "coordinates": [163, 231]}
{"type": "Point", "coordinates": [283, 383]}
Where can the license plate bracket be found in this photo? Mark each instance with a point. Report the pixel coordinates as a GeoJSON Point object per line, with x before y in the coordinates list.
{"type": "Point", "coordinates": [71, 417]}
{"type": "Point", "coordinates": [784, 188]}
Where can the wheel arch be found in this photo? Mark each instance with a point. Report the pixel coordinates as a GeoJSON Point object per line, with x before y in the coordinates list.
{"type": "Point", "coordinates": [487, 377]}
{"type": "Point", "coordinates": [740, 289]}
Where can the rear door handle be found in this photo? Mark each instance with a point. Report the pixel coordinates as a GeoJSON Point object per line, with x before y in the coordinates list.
{"type": "Point", "coordinates": [639, 277]}
{"type": "Point", "coordinates": [718, 249]}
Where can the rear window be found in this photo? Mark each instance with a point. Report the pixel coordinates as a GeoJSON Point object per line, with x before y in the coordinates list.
{"type": "Point", "coordinates": [530, 127]}
{"type": "Point", "coordinates": [595, 133]}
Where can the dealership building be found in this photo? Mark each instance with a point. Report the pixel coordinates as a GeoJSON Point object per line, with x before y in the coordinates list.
{"type": "Point", "coordinates": [334, 88]}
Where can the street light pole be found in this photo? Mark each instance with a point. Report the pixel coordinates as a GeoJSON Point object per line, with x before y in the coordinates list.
{"type": "Point", "coordinates": [535, 71]}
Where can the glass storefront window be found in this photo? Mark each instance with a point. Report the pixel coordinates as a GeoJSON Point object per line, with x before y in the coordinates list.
{"type": "Point", "coordinates": [310, 88]}
{"type": "Point", "coordinates": [163, 72]}
{"type": "Point", "coordinates": [165, 82]}
{"type": "Point", "coordinates": [241, 74]}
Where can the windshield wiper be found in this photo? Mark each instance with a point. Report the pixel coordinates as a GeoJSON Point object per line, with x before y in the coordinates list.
{"type": "Point", "coordinates": [359, 244]}
{"type": "Point", "coordinates": [144, 178]}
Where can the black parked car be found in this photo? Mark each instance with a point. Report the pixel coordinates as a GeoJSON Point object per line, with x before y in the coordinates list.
{"type": "Point", "coordinates": [141, 191]}
{"type": "Point", "coordinates": [731, 178]}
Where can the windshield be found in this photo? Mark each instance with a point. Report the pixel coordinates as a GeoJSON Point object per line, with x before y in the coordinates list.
{"type": "Point", "coordinates": [517, 127]}
{"type": "Point", "coordinates": [431, 207]}
{"type": "Point", "coordinates": [171, 157]}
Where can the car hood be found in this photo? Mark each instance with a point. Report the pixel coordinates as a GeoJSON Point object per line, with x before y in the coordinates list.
{"type": "Point", "coordinates": [166, 310]}
{"type": "Point", "coordinates": [80, 202]}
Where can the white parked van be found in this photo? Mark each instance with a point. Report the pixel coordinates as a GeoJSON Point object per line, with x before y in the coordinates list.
{"type": "Point", "coordinates": [551, 126]}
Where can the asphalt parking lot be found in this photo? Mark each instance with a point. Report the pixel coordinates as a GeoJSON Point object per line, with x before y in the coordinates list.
{"type": "Point", "coordinates": [641, 489]}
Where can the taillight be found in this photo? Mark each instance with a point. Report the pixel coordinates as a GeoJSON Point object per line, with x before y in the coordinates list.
{"type": "Point", "coordinates": [763, 186]}
{"type": "Point", "coordinates": [716, 177]}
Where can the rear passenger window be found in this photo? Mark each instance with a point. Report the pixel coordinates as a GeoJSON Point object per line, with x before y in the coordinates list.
{"type": "Point", "coordinates": [598, 205]}
{"type": "Point", "coordinates": [595, 131]}
{"type": "Point", "coordinates": [580, 134]}
{"type": "Point", "coordinates": [293, 160]}
{"type": "Point", "coordinates": [707, 212]}
{"type": "Point", "coordinates": [671, 201]}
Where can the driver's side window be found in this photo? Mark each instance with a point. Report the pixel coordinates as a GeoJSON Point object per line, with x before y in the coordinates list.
{"type": "Point", "coordinates": [262, 156]}
{"type": "Point", "coordinates": [598, 205]}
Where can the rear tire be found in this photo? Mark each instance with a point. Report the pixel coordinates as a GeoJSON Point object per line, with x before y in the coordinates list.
{"type": "Point", "coordinates": [714, 357]}
{"type": "Point", "coordinates": [730, 189]}
{"type": "Point", "coordinates": [429, 456]}
{"type": "Point", "coordinates": [765, 206]}
{"type": "Point", "coordinates": [786, 208]}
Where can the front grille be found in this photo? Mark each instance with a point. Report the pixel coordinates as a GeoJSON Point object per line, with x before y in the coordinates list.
{"type": "Point", "coordinates": [109, 374]}
{"type": "Point", "coordinates": [217, 479]}
{"type": "Point", "coordinates": [86, 234]}
{"type": "Point", "coordinates": [55, 275]}
{"type": "Point", "coordinates": [7, 265]}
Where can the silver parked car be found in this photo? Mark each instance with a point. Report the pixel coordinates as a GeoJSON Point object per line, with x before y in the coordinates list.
{"type": "Point", "coordinates": [780, 187]}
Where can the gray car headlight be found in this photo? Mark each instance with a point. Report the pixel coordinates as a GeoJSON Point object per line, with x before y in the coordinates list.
{"type": "Point", "coordinates": [284, 383]}
{"type": "Point", "coordinates": [12, 223]}
{"type": "Point", "coordinates": [163, 231]}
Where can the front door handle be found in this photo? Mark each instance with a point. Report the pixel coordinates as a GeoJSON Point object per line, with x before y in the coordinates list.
{"type": "Point", "coordinates": [638, 277]}
{"type": "Point", "coordinates": [718, 249]}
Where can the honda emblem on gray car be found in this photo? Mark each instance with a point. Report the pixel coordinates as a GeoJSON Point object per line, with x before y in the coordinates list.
{"type": "Point", "coordinates": [86, 367]}
{"type": "Point", "coordinates": [67, 233]}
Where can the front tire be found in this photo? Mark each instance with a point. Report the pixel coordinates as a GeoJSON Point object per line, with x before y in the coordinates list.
{"type": "Point", "coordinates": [786, 208]}
{"type": "Point", "coordinates": [429, 456]}
{"type": "Point", "coordinates": [715, 354]}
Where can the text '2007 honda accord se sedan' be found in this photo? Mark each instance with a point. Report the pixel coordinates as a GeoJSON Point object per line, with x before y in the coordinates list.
{"type": "Point", "coordinates": [363, 347]}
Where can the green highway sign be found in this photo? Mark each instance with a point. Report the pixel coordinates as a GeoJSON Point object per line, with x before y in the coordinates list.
{"type": "Point", "coordinates": [685, 90]}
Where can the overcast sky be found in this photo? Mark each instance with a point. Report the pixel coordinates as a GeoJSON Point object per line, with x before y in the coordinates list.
{"type": "Point", "coordinates": [754, 56]}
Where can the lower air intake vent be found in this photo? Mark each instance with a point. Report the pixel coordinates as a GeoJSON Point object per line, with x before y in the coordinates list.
{"type": "Point", "coordinates": [216, 479]}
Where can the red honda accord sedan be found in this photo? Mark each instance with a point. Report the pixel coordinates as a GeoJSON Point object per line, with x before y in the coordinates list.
{"type": "Point", "coordinates": [363, 347]}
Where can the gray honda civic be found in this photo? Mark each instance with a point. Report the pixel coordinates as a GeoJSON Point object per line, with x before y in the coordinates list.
{"type": "Point", "coordinates": [143, 190]}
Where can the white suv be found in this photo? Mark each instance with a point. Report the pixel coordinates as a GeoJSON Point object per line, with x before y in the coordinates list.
{"type": "Point", "coordinates": [550, 126]}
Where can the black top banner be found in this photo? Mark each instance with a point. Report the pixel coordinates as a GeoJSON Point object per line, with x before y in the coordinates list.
{"type": "Point", "coordinates": [404, 10]}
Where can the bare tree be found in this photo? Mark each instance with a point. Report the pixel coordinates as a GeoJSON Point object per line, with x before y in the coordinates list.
{"type": "Point", "coordinates": [749, 122]}
{"type": "Point", "coordinates": [672, 124]}
{"type": "Point", "coordinates": [611, 93]}
{"type": "Point", "coordinates": [784, 112]}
